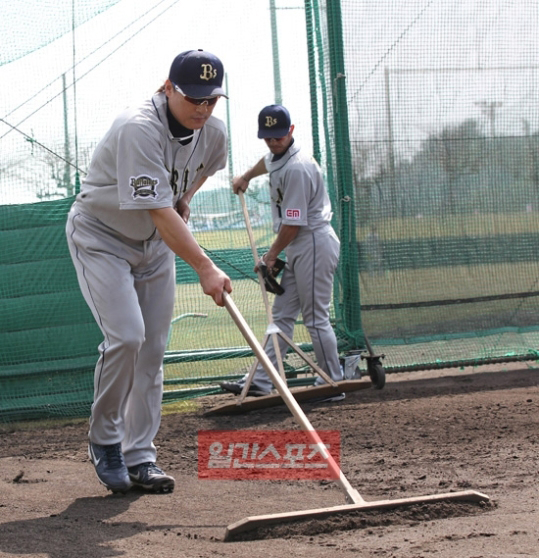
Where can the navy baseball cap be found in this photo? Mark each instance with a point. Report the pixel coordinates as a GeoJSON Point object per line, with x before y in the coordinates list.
{"type": "Point", "coordinates": [273, 122]}
{"type": "Point", "coordinates": [198, 74]}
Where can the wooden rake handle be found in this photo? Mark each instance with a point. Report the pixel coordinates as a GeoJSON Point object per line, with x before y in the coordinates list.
{"type": "Point", "coordinates": [352, 495]}
{"type": "Point", "coordinates": [255, 255]}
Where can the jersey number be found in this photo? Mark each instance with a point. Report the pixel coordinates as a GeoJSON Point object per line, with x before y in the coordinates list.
{"type": "Point", "coordinates": [174, 181]}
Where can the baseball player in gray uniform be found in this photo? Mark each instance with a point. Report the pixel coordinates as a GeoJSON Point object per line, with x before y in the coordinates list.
{"type": "Point", "coordinates": [301, 214]}
{"type": "Point", "coordinates": [125, 226]}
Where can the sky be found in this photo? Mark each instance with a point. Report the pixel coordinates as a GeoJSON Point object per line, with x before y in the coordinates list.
{"type": "Point", "coordinates": [124, 54]}
{"type": "Point", "coordinates": [130, 67]}
{"type": "Point", "coordinates": [445, 59]}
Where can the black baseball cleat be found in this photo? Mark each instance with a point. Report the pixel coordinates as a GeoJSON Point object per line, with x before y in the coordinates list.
{"type": "Point", "coordinates": [236, 388]}
{"type": "Point", "coordinates": [110, 466]}
{"type": "Point", "coordinates": [150, 477]}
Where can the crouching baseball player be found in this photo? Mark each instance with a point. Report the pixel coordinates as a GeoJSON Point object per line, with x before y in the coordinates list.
{"type": "Point", "coordinates": [301, 214]}
{"type": "Point", "coordinates": [123, 231]}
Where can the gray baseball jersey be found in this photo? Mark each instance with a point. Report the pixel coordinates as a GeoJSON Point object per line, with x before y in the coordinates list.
{"type": "Point", "coordinates": [139, 165]}
{"type": "Point", "coordinates": [297, 191]}
{"type": "Point", "coordinates": [126, 272]}
{"type": "Point", "coordinates": [299, 198]}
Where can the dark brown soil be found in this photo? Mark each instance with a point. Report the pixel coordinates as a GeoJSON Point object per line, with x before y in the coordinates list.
{"type": "Point", "coordinates": [425, 433]}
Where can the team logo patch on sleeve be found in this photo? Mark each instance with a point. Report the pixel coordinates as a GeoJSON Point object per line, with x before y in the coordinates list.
{"type": "Point", "coordinates": [144, 186]}
{"type": "Point", "coordinates": [293, 214]}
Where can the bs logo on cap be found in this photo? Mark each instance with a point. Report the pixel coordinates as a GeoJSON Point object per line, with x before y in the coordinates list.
{"type": "Point", "coordinates": [198, 74]}
{"type": "Point", "coordinates": [273, 122]}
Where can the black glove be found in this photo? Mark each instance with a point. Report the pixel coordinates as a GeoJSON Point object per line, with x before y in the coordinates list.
{"type": "Point", "coordinates": [269, 276]}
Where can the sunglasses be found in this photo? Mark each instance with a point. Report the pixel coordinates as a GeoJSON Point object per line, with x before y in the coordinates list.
{"type": "Point", "coordinates": [208, 101]}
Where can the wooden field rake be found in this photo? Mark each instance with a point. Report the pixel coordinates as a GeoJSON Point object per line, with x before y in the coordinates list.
{"type": "Point", "coordinates": [327, 389]}
{"type": "Point", "coordinates": [354, 500]}
{"type": "Point", "coordinates": [273, 331]}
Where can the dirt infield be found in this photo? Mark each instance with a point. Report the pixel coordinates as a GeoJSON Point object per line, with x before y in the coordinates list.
{"type": "Point", "coordinates": [424, 433]}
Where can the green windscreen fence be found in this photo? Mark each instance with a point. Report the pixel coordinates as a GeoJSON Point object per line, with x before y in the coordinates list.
{"type": "Point", "coordinates": [422, 115]}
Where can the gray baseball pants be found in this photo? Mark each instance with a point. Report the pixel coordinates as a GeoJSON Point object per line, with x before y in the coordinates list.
{"type": "Point", "coordinates": [312, 259]}
{"type": "Point", "coordinates": [129, 286]}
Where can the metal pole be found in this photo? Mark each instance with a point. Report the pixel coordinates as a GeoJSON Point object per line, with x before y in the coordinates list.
{"type": "Point", "coordinates": [77, 174]}
{"type": "Point", "coordinates": [66, 180]}
{"type": "Point", "coordinates": [275, 47]}
{"type": "Point", "coordinates": [390, 143]}
{"type": "Point", "coordinates": [230, 161]}
{"type": "Point", "coordinates": [317, 152]}
{"type": "Point", "coordinates": [349, 265]}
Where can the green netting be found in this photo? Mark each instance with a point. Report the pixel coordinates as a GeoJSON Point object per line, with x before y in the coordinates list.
{"type": "Point", "coordinates": [443, 138]}
{"type": "Point", "coordinates": [27, 25]}
{"type": "Point", "coordinates": [422, 115]}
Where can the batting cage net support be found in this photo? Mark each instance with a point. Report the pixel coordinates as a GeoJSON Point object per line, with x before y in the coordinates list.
{"type": "Point", "coordinates": [427, 131]}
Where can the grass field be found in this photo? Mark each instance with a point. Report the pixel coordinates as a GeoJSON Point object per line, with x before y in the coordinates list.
{"type": "Point", "coordinates": [396, 229]}
{"type": "Point", "coordinates": [407, 286]}
{"type": "Point", "coordinates": [218, 330]}
{"type": "Point", "coordinates": [454, 225]}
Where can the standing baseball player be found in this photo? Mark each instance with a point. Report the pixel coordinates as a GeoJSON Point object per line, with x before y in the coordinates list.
{"type": "Point", "coordinates": [301, 214]}
{"type": "Point", "coordinates": [123, 231]}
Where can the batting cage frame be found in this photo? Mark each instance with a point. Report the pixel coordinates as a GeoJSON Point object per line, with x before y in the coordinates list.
{"type": "Point", "coordinates": [430, 156]}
